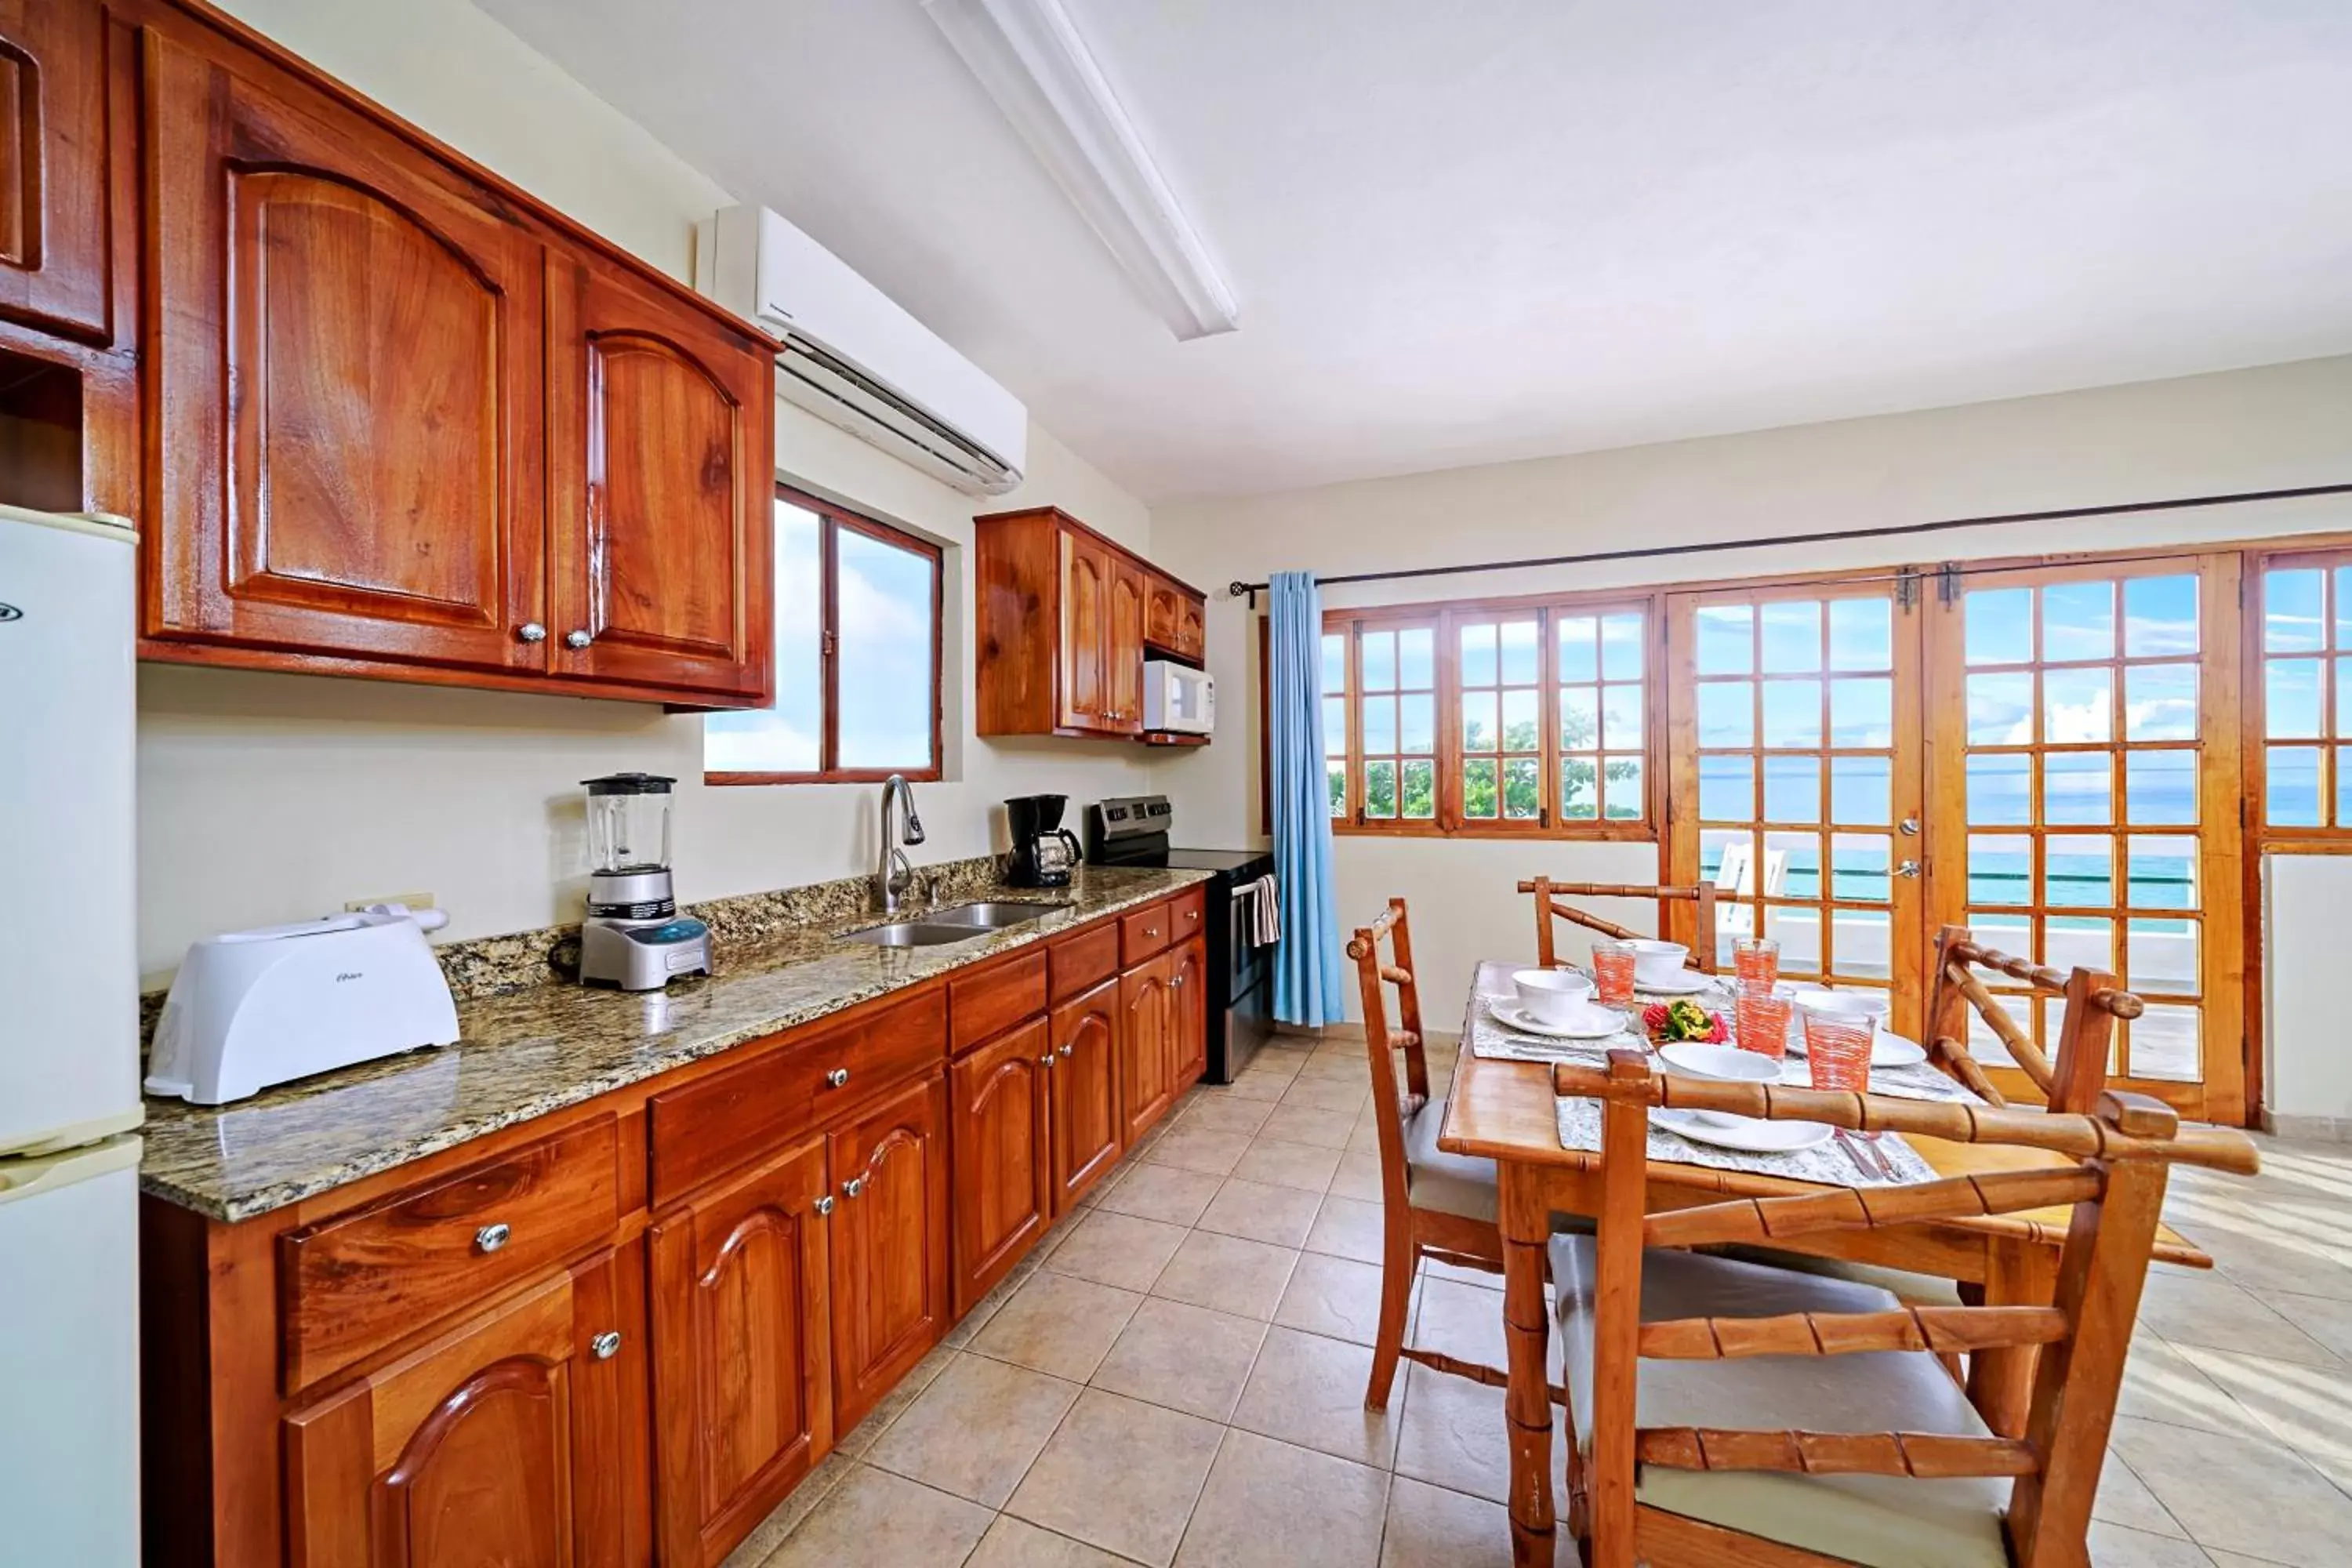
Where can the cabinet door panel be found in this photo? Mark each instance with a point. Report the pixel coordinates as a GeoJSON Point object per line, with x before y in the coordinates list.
{"type": "Point", "coordinates": [1003, 1163]}
{"type": "Point", "coordinates": [1087, 1124]}
{"type": "Point", "coordinates": [658, 431]}
{"type": "Point", "coordinates": [1188, 1013]}
{"type": "Point", "coordinates": [890, 1287]}
{"type": "Point", "coordinates": [1146, 1069]}
{"type": "Point", "coordinates": [742, 1350]}
{"type": "Point", "coordinates": [371, 483]}
{"type": "Point", "coordinates": [1085, 610]}
{"type": "Point", "coordinates": [1123, 648]}
{"type": "Point", "coordinates": [53, 159]}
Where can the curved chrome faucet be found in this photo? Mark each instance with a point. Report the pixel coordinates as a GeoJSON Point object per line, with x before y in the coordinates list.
{"type": "Point", "coordinates": [896, 874]}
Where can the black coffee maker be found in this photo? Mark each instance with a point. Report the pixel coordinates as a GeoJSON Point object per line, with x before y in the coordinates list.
{"type": "Point", "coordinates": [1043, 849]}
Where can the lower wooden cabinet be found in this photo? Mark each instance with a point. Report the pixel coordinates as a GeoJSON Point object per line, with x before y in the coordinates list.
{"type": "Point", "coordinates": [742, 1352]}
{"type": "Point", "coordinates": [1188, 1003]}
{"type": "Point", "coordinates": [1147, 1068]}
{"type": "Point", "coordinates": [890, 1294]}
{"type": "Point", "coordinates": [1000, 1097]}
{"type": "Point", "coordinates": [497, 1444]}
{"type": "Point", "coordinates": [1087, 1120]}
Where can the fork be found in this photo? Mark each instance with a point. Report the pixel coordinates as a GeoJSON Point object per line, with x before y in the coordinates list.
{"type": "Point", "coordinates": [1846, 1142]}
{"type": "Point", "coordinates": [1885, 1165]}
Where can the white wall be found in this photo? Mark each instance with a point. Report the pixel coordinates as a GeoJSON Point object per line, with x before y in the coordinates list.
{"type": "Point", "coordinates": [2275, 428]}
{"type": "Point", "coordinates": [266, 798]}
{"type": "Point", "coordinates": [2309, 1075]}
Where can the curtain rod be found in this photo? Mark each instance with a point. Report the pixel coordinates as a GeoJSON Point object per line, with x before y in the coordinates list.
{"type": "Point", "coordinates": [1892, 530]}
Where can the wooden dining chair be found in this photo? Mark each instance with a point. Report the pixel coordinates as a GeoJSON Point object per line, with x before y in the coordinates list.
{"type": "Point", "coordinates": [1433, 1203]}
{"type": "Point", "coordinates": [2071, 1078]}
{"type": "Point", "coordinates": [1549, 908]}
{"type": "Point", "coordinates": [1728, 1411]}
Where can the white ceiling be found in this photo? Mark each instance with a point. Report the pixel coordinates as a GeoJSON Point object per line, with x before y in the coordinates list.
{"type": "Point", "coordinates": [1490, 229]}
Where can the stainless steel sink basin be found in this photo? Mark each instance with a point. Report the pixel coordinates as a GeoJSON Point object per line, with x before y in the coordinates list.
{"type": "Point", "coordinates": [939, 927]}
{"type": "Point", "coordinates": [988, 916]}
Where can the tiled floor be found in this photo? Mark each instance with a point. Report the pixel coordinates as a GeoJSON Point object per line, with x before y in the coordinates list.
{"type": "Point", "coordinates": [1176, 1375]}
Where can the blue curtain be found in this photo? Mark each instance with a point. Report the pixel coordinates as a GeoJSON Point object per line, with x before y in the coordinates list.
{"type": "Point", "coordinates": [1308, 987]}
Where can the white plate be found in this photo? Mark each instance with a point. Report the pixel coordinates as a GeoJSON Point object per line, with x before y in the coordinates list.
{"type": "Point", "coordinates": [1691, 983]}
{"type": "Point", "coordinates": [1888, 1050]}
{"type": "Point", "coordinates": [1748, 1134]}
{"type": "Point", "coordinates": [1599, 1024]}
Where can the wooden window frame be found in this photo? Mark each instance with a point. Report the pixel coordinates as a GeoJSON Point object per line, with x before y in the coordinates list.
{"type": "Point", "coordinates": [832, 519]}
{"type": "Point", "coordinates": [2332, 742]}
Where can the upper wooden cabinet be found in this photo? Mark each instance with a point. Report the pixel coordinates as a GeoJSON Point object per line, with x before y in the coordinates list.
{"type": "Point", "coordinates": [1065, 617]}
{"type": "Point", "coordinates": [54, 271]}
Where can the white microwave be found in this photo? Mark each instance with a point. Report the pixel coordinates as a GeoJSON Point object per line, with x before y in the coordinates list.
{"type": "Point", "coordinates": [1177, 698]}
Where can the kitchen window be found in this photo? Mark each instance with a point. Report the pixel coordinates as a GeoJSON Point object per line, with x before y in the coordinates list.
{"type": "Point", "coordinates": [1490, 720]}
{"type": "Point", "coordinates": [856, 657]}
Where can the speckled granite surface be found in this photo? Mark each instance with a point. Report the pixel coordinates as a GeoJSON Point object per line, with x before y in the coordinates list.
{"type": "Point", "coordinates": [526, 1052]}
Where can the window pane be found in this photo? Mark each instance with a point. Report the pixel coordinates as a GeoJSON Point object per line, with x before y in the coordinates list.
{"type": "Point", "coordinates": [1727, 639]}
{"type": "Point", "coordinates": [1792, 789]}
{"type": "Point", "coordinates": [1335, 777]}
{"type": "Point", "coordinates": [1792, 713]}
{"type": "Point", "coordinates": [1727, 713]}
{"type": "Point", "coordinates": [1621, 717]}
{"type": "Point", "coordinates": [2164, 1044]}
{"type": "Point", "coordinates": [1335, 662]}
{"type": "Point", "coordinates": [2076, 787]}
{"type": "Point", "coordinates": [1727, 788]}
{"type": "Point", "coordinates": [2078, 620]}
{"type": "Point", "coordinates": [2291, 699]}
{"type": "Point", "coordinates": [1478, 655]}
{"type": "Point", "coordinates": [1335, 726]}
{"type": "Point", "coordinates": [1627, 801]}
{"type": "Point", "coordinates": [1380, 725]}
{"type": "Point", "coordinates": [1999, 628]}
{"type": "Point", "coordinates": [1861, 789]}
{"type": "Point", "coordinates": [2292, 788]}
{"type": "Point", "coordinates": [1793, 636]}
{"type": "Point", "coordinates": [1579, 647]}
{"type": "Point", "coordinates": [1417, 659]}
{"type": "Point", "coordinates": [2071, 939]}
{"type": "Point", "coordinates": [1859, 868]}
{"type": "Point", "coordinates": [1519, 660]}
{"type": "Point", "coordinates": [1792, 863]}
{"type": "Point", "coordinates": [2343, 699]}
{"type": "Point", "coordinates": [1417, 724]}
{"type": "Point", "coordinates": [1523, 788]}
{"type": "Point", "coordinates": [2000, 868]}
{"type": "Point", "coordinates": [2291, 622]}
{"type": "Point", "coordinates": [1579, 794]}
{"type": "Point", "coordinates": [2163, 956]}
{"type": "Point", "coordinates": [1729, 860]}
{"type": "Point", "coordinates": [1799, 933]}
{"type": "Point", "coordinates": [1376, 660]}
{"type": "Point", "coordinates": [1478, 788]}
{"type": "Point", "coordinates": [1379, 789]}
{"type": "Point", "coordinates": [2160, 787]}
{"type": "Point", "coordinates": [882, 658]}
{"type": "Point", "coordinates": [2077, 706]}
{"type": "Point", "coordinates": [2160, 616]}
{"type": "Point", "coordinates": [2163, 873]}
{"type": "Point", "coordinates": [1522, 722]}
{"type": "Point", "coordinates": [1862, 712]}
{"type": "Point", "coordinates": [1420, 787]}
{"type": "Point", "coordinates": [1621, 646]}
{"type": "Point", "coordinates": [2001, 709]}
{"type": "Point", "coordinates": [1861, 634]}
{"type": "Point", "coordinates": [784, 738]}
{"type": "Point", "coordinates": [1579, 716]}
{"type": "Point", "coordinates": [1478, 731]}
{"type": "Point", "coordinates": [2343, 785]}
{"type": "Point", "coordinates": [2160, 703]}
{"type": "Point", "coordinates": [2343, 638]}
{"type": "Point", "coordinates": [1997, 789]}
{"type": "Point", "coordinates": [2079, 869]}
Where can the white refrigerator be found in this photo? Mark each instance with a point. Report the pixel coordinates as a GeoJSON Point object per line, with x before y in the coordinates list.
{"type": "Point", "coordinates": [68, 1043]}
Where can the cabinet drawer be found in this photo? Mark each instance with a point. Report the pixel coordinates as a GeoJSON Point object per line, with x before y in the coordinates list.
{"type": "Point", "coordinates": [356, 1284]}
{"type": "Point", "coordinates": [985, 1004]}
{"type": "Point", "coordinates": [1187, 915]}
{"type": "Point", "coordinates": [730, 1118]}
{"type": "Point", "coordinates": [1084, 960]}
{"type": "Point", "coordinates": [1143, 933]}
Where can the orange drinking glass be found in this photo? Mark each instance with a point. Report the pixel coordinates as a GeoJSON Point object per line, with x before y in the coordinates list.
{"type": "Point", "coordinates": [1612, 974]}
{"type": "Point", "coordinates": [1761, 1023]}
{"type": "Point", "coordinates": [1837, 1051]}
{"type": "Point", "coordinates": [1755, 961]}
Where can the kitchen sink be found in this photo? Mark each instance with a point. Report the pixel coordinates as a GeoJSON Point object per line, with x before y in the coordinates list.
{"type": "Point", "coordinates": [989, 917]}
{"type": "Point", "coordinates": [939, 927]}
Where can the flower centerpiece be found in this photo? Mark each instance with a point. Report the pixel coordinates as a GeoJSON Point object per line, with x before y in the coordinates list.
{"type": "Point", "coordinates": [1669, 1022]}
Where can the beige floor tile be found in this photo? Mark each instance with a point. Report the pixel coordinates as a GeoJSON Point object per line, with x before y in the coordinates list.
{"type": "Point", "coordinates": [975, 1430]}
{"type": "Point", "coordinates": [1429, 1527]}
{"type": "Point", "coordinates": [1256, 1083]}
{"type": "Point", "coordinates": [2328, 1321]}
{"type": "Point", "coordinates": [1281, 1164]}
{"type": "Point", "coordinates": [1163, 1193]}
{"type": "Point", "coordinates": [1227, 1274]}
{"type": "Point", "coordinates": [1460, 1320]}
{"type": "Point", "coordinates": [1058, 1324]}
{"type": "Point", "coordinates": [877, 1520]}
{"type": "Point", "coordinates": [1478, 1277]}
{"type": "Point", "coordinates": [1198, 1149]}
{"type": "Point", "coordinates": [982, 1311]}
{"type": "Point", "coordinates": [1364, 1137]}
{"type": "Point", "coordinates": [2247, 1496]}
{"type": "Point", "coordinates": [1119, 1250]}
{"type": "Point", "coordinates": [1335, 1297]}
{"type": "Point", "coordinates": [754, 1550]}
{"type": "Point", "coordinates": [1186, 1358]}
{"type": "Point", "coordinates": [1270, 1503]}
{"type": "Point", "coordinates": [853, 1443]}
{"type": "Point", "coordinates": [1015, 1544]}
{"type": "Point", "coordinates": [1348, 1228]}
{"type": "Point", "coordinates": [1261, 1211]}
{"type": "Point", "coordinates": [2307, 1408]}
{"type": "Point", "coordinates": [1359, 1177]}
{"type": "Point", "coordinates": [1313, 1091]}
{"type": "Point", "coordinates": [2161, 1385]}
{"type": "Point", "coordinates": [2260, 1247]}
{"type": "Point", "coordinates": [1453, 1437]}
{"type": "Point", "coordinates": [1310, 1390]}
{"type": "Point", "coordinates": [1325, 1129]}
{"type": "Point", "coordinates": [1225, 1114]}
{"type": "Point", "coordinates": [2218, 1313]}
{"type": "Point", "coordinates": [2124, 1499]}
{"type": "Point", "coordinates": [2113, 1546]}
{"type": "Point", "coordinates": [1121, 1475]}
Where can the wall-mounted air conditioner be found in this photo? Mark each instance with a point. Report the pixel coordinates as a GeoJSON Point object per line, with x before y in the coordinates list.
{"type": "Point", "coordinates": [852, 356]}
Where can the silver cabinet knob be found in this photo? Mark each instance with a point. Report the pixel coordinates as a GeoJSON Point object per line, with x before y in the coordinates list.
{"type": "Point", "coordinates": [1047, 1060]}
{"type": "Point", "coordinates": [852, 1187]}
{"type": "Point", "coordinates": [1908, 827]}
{"type": "Point", "coordinates": [490, 1237]}
{"type": "Point", "coordinates": [606, 1346]}
{"type": "Point", "coordinates": [531, 631]}
{"type": "Point", "coordinates": [577, 639]}
{"type": "Point", "coordinates": [825, 1204]}
{"type": "Point", "coordinates": [1907, 868]}
{"type": "Point", "coordinates": [1065, 1051]}
{"type": "Point", "coordinates": [836, 1078]}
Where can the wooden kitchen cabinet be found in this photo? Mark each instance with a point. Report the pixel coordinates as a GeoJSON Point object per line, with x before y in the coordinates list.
{"type": "Point", "coordinates": [889, 1265]}
{"type": "Point", "coordinates": [54, 257]}
{"type": "Point", "coordinates": [1087, 573]}
{"type": "Point", "coordinates": [1147, 1066]}
{"type": "Point", "coordinates": [1188, 1011]}
{"type": "Point", "coordinates": [1088, 1120]}
{"type": "Point", "coordinates": [1123, 648]}
{"type": "Point", "coordinates": [1174, 618]}
{"type": "Point", "coordinates": [1001, 1100]}
{"type": "Point", "coordinates": [742, 1352]}
{"type": "Point", "coordinates": [500, 1442]}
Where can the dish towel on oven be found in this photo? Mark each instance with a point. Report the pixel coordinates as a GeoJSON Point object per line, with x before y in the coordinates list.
{"type": "Point", "coordinates": [1265, 911]}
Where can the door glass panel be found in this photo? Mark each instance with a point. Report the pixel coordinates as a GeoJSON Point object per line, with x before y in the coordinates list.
{"type": "Point", "coordinates": [2000, 868]}
{"type": "Point", "coordinates": [1793, 636]}
{"type": "Point", "coordinates": [2081, 871]}
{"type": "Point", "coordinates": [2001, 709]}
{"type": "Point", "coordinates": [1999, 626]}
{"type": "Point", "coordinates": [1861, 634]}
{"type": "Point", "coordinates": [2291, 786]}
{"type": "Point", "coordinates": [1727, 713]}
{"type": "Point", "coordinates": [2291, 612]}
{"type": "Point", "coordinates": [2160, 787]}
{"type": "Point", "coordinates": [2291, 699]}
{"type": "Point", "coordinates": [2306, 695]}
{"type": "Point", "coordinates": [2076, 786]}
{"type": "Point", "coordinates": [1792, 713]}
{"type": "Point", "coordinates": [2160, 703]}
{"type": "Point", "coordinates": [1727, 788]}
{"type": "Point", "coordinates": [1792, 789]}
{"type": "Point", "coordinates": [2160, 616]}
{"type": "Point", "coordinates": [1862, 712]}
{"type": "Point", "coordinates": [1861, 790]}
{"type": "Point", "coordinates": [2078, 621]}
{"type": "Point", "coordinates": [2001, 789]}
{"type": "Point", "coordinates": [2078, 706]}
{"type": "Point", "coordinates": [1727, 639]}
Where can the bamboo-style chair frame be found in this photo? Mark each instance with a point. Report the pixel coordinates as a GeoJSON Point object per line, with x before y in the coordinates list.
{"type": "Point", "coordinates": [2071, 1081]}
{"type": "Point", "coordinates": [1549, 908]}
{"type": "Point", "coordinates": [2122, 1149]}
{"type": "Point", "coordinates": [1408, 1234]}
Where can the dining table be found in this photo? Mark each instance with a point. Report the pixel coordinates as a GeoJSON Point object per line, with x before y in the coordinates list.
{"type": "Point", "coordinates": [1500, 1105]}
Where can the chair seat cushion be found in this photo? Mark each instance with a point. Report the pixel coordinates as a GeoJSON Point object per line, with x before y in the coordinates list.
{"type": "Point", "coordinates": [1452, 1184]}
{"type": "Point", "coordinates": [1885, 1521]}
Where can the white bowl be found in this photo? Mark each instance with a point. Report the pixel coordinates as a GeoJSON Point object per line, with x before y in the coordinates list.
{"type": "Point", "coordinates": [1657, 962]}
{"type": "Point", "coordinates": [1551, 995]}
{"type": "Point", "coordinates": [1722, 1064]}
{"type": "Point", "coordinates": [1871, 1005]}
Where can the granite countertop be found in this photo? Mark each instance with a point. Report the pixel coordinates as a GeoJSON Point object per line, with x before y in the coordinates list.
{"type": "Point", "coordinates": [537, 1050]}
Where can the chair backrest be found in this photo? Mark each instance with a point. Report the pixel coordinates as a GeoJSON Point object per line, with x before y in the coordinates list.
{"type": "Point", "coordinates": [2071, 1079]}
{"type": "Point", "coordinates": [1396, 1100]}
{"type": "Point", "coordinates": [2115, 1161]}
{"type": "Point", "coordinates": [1548, 894]}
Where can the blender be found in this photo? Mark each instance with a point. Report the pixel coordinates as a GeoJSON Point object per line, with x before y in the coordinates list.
{"type": "Point", "coordinates": [634, 937]}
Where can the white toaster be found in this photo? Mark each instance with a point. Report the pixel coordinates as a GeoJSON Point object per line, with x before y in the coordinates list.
{"type": "Point", "coordinates": [253, 1008]}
